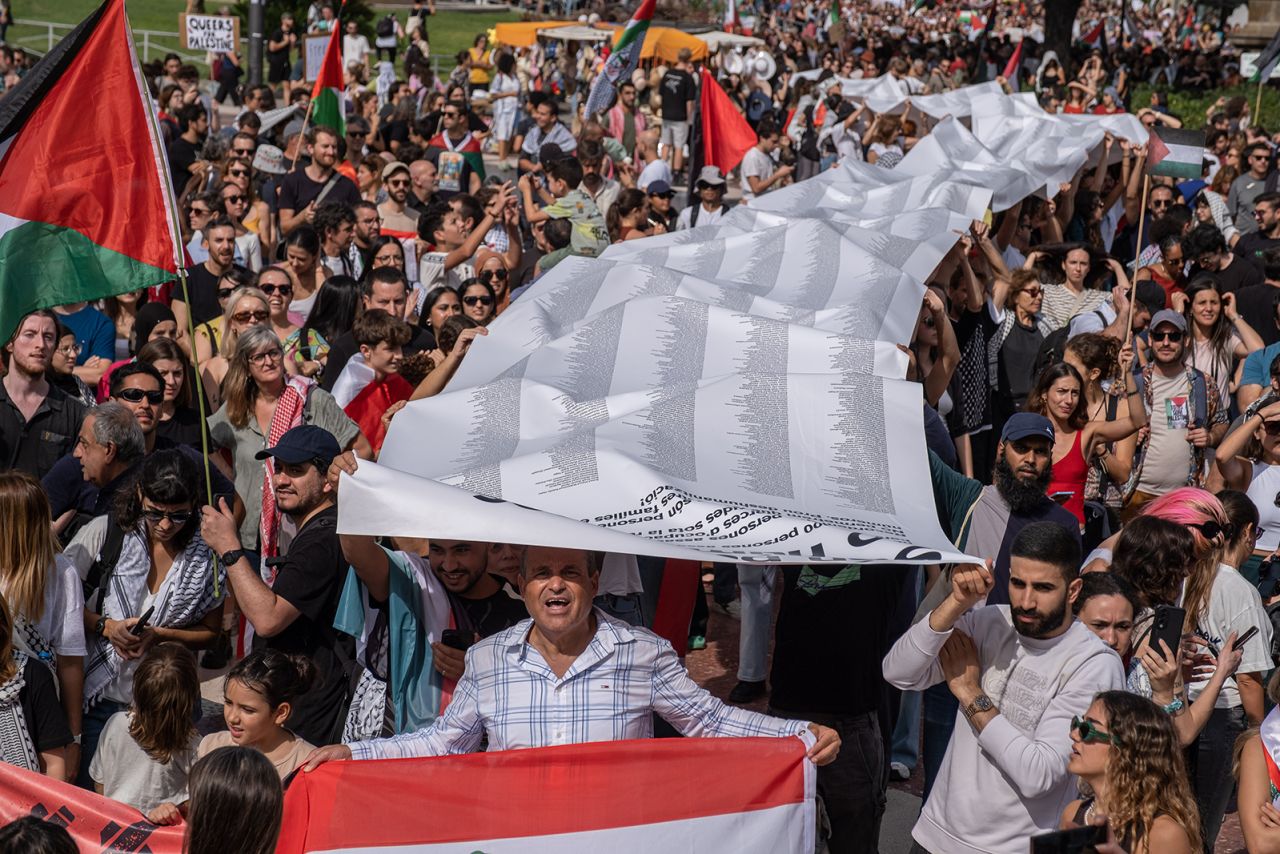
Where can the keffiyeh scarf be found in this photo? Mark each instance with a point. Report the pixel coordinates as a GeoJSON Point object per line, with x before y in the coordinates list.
{"type": "Point", "coordinates": [16, 746]}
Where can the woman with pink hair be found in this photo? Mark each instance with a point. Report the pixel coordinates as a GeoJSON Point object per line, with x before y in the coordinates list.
{"type": "Point", "coordinates": [1202, 513]}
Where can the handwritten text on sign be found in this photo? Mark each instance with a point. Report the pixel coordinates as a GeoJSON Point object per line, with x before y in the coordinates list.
{"type": "Point", "coordinates": [216, 33]}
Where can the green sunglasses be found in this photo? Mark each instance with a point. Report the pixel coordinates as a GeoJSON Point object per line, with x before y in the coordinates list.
{"type": "Point", "coordinates": [1089, 732]}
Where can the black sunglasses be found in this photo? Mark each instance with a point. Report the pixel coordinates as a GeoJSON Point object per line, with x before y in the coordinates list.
{"type": "Point", "coordinates": [155, 517]}
{"type": "Point", "coordinates": [225, 293]}
{"type": "Point", "coordinates": [487, 275]}
{"type": "Point", "coordinates": [283, 290]}
{"type": "Point", "coordinates": [135, 395]}
{"type": "Point", "coordinates": [482, 300]}
{"type": "Point", "coordinates": [1172, 335]}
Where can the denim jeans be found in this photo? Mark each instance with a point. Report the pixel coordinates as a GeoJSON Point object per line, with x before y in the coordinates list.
{"type": "Point", "coordinates": [95, 721]}
{"type": "Point", "coordinates": [906, 733]}
{"type": "Point", "coordinates": [629, 609]}
{"type": "Point", "coordinates": [1209, 761]}
{"type": "Point", "coordinates": [757, 610]}
{"type": "Point", "coordinates": [939, 707]}
{"type": "Point", "coordinates": [853, 788]}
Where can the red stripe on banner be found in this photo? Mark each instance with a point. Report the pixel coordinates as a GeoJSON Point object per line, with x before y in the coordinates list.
{"type": "Point", "coordinates": [96, 823]}
{"type": "Point", "coordinates": [681, 583]}
{"type": "Point", "coordinates": [538, 792]}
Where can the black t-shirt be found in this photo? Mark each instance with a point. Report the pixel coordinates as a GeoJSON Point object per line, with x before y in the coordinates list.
{"type": "Point", "coordinates": [297, 191]}
{"type": "Point", "coordinates": [1257, 305]}
{"type": "Point", "coordinates": [278, 59]}
{"type": "Point", "coordinates": [181, 155]}
{"type": "Point", "coordinates": [1251, 246]}
{"type": "Point", "coordinates": [202, 287]}
{"type": "Point", "coordinates": [834, 619]}
{"type": "Point", "coordinates": [1238, 274]}
{"type": "Point", "coordinates": [342, 348]}
{"type": "Point", "coordinates": [492, 614]}
{"type": "Point", "coordinates": [310, 578]}
{"type": "Point", "coordinates": [450, 182]}
{"type": "Point", "coordinates": [1017, 358]}
{"type": "Point", "coordinates": [677, 89]}
{"type": "Point", "coordinates": [182, 429]}
{"type": "Point", "coordinates": [46, 721]}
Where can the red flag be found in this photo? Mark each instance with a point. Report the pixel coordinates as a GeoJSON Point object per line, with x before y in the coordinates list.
{"type": "Point", "coordinates": [726, 136]}
{"type": "Point", "coordinates": [1011, 69]}
{"type": "Point", "coordinates": [94, 822]}
{"type": "Point", "coordinates": [1095, 34]}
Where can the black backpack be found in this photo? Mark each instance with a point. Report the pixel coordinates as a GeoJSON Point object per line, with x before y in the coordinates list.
{"type": "Point", "coordinates": [1054, 346]}
{"type": "Point", "coordinates": [386, 26]}
{"type": "Point", "coordinates": [100, 571]}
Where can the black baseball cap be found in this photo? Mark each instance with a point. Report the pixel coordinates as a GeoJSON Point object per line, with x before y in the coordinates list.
{"type": "Point", "coordinates": [302, 444]}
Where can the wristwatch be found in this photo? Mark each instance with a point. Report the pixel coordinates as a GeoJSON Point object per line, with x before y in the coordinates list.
{"type": "Point", "coordinates": [981, 703]}
{"type": "Point", "coordinates": [100, 626]}
{"type": "Point", "coordinates": [231, 557]}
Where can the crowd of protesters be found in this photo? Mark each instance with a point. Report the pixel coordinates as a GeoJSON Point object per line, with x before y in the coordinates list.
{"type": "Point", "coordinates": [1101, 382]}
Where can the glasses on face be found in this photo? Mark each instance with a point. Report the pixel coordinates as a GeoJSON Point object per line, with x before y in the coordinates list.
{"type": "Point", "coordinates": [235, 200]}
{"type": "Point", "coordinates": [246, 316]}
{"type": "Point", "coordinates": [402, 182]}
{"type": "Point", "coordinates": [224, 294]}
{"type": "Point", "coordinates": [478, 300]}
{"type": "Point", "coordinates": [1261, 157]}
{"type": "Point", "coordinates": [242, 152]}
{"type": "Point", "coordinates": [489, 275]}
{"type": "Point", "coordinates": [1174, 335]}
{"type": "Point", "coordinates": [239, 173]}
{"type": "Point", "coordinates": [1088, 732]}
{"type": "Point", "coordinates": [266, 356]}
{"type": "Point", "coordinates": [155, 517]}
{"type": "Point", "coordinates": [71, 350]}
{"type": "Point", "coordinates": [201, 211]}
{"type": "Point", "coordinates": [135, 395]}
{"type": "Point", "coordinates": [283, 290]}
{"type": "Point", "coordinates": [450, 114]}
{"type": "Point", "coordinates": [1161, 203]}
{"type": "Point", "coordinates": [1034, 293]}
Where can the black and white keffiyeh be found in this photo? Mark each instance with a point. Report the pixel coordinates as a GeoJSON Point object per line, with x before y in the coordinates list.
{"type": "Point", "coordinates": [183, 599]}
{"type": "Point", "coordinates": [16, 746]}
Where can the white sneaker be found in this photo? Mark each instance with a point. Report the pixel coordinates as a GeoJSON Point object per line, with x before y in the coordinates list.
{"type": "Point", "coordinates": [899, 772]}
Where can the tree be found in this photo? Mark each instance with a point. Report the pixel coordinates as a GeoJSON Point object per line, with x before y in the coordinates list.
{"type": "Point", "coordinates": [1059, 17]}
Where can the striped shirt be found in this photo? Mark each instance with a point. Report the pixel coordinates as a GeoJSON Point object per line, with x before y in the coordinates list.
{"type": "Point", "coordinates": [609, 693]}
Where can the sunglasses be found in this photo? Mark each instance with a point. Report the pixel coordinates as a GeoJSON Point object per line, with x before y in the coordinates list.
{"type": "Point", "coordinates": [1173, 335]}
{"type": "Point", "coordinates": [400, 183]}
{"type": "Point", "coordinates": [225, 293]}
{"type": "Point", "coordinates": [1160, 203]}
{"type": "Point", "coordinates": [135, 395]}
{"type": "Point", "coordinates": [203, 211]}
{"type": "Point", "coordinates": [235, 200]}
{"type": "Point", "coordinates": [246, 316]}
{"type": "Point", "coordinates": [482, 300]}
{"type": "Point", "coordinates": [238, 173]}
{"type": "Point", "coordinates": [155, 517]}
{"type": "Point", "coordinates": [283, 290]}
{"type": "Point", "coordinates": [1211, 530]}
{"type": "Point", "coordinates": [1033, 292]}
{"type": "Point", "coordinates": [451, 115]}
{"type": "Point", "coordinates": [488, 275]}
{"type": "Point", "coordinates": [245, 151]}
{"type": "Point", "coordinates": [1089, 733]}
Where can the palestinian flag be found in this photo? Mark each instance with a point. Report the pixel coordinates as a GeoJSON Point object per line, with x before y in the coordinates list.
{"type": "Point", "coordinates": [468, 148]}
{"type": "Point", "coordinates": [731, 21]}
{"type": "Point", "coordinates": [1175, 152]}
{"type": "Point", "coordinates": [1094, 37]}
{"type": "Point", "coordinates": [364, 400]}
{"type": "Point", "coordinates": [85, 200]}
{"type": "Point", "coordinates": [326, 97]}
{"type": "Point", "coordinates": [622, 61]}
{"type": "Point", "coordinates": [1013, 66]}
{"type": "Point", "coordinates": [1267, 60]}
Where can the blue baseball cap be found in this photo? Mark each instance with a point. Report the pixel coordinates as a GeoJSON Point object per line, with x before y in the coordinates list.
{"type": "Point", "coordinates": [1022, 425]}
{"type": "Point", "coordinates": [302, 444]}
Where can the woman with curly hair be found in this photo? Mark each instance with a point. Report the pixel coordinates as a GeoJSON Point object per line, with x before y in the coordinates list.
{"type": "Point", "coordinates": [1257, 755]}
{"type": "Point", "coordinates": [1126, 754]}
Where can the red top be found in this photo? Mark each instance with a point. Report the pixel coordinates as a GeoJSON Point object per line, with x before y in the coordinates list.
{"type": "Point", "coordinates": [1069, 475]}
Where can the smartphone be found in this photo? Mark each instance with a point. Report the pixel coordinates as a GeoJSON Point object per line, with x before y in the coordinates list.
{"type": "Point", "coordinates": [456, 639]}
{"type": "Point", "coordinates": [1061, 497]}
{"type": "Point", "coordinates": [1245, 638]}
{"type": "Point", "coordinates": [141, 626]}
{"type": "Point", "coordinates": [1167, 627]}
{"type": "Point", "coordinates": [1077, 840]}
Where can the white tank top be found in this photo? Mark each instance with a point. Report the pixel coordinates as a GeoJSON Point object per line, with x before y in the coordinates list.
{"type": "Point", "coordinates": [1263, 490]}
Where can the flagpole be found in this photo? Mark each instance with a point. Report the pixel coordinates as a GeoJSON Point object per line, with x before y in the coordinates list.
{"type": "Point", "coordinates": [302, 135]}
{"type": "Point", "coordinates": [175, 232]}
{"type": "Point", "coordinates": [1257, 107]}
{"type": "Point", "coordinates": [1133, 289]}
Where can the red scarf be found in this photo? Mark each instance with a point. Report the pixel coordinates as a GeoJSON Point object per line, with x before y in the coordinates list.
{"type": "Point", "coordinates": [288, 414]}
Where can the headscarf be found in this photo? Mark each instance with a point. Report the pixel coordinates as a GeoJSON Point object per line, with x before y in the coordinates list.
{"type": "Point", "coordinates": [149, 317]}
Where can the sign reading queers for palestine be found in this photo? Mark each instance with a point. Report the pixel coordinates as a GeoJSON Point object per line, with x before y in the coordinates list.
{"type": "Point", "coordinates": [218, 33]}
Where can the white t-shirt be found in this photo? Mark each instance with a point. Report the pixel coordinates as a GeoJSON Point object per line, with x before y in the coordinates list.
{"type": "Point", "coordinates": [355, 49]}
{"type": "Point", "coordinates": [658, 170]}
{"type": "Point", "coordinates": [754, 163]}
{"type": "Point", "coordinates": [432, 274]}
{"type": "Point", "coordinates": [129, 775]}
{"type": "Point", "coordinates": [62, 623]}
{"type": "Point", "coordinates": [1234, 606]}
{"type": "Point", "coordinates": [705, 217]}
{"type": "Point", "coordinates": [1168, 456]}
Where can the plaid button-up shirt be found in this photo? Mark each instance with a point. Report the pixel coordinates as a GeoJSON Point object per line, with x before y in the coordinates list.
{"type": "Point", "coordinates": [608, 694]}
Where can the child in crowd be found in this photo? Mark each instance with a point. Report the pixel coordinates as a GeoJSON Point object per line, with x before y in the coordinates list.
{"type": "Point", "coordinates": [590, 236]}
{"type": "Point", "coordinates": [258, 698]}
{"type": "Point", "coordinates": [444, 228]}
{"type": "Point", "coordinates": [146, 753]}
{"type": "Point", "coordinates": [237, 803]}
{"type": "Point", "coordinates": [372, 383]}
{"type": "Point", "coordinates": [33, 727]}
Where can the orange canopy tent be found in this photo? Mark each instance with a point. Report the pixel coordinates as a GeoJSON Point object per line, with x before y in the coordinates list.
{"type": "Point", "coordinates": [524, 33]}
{"type": "Point", "coordinates": [664, 43]}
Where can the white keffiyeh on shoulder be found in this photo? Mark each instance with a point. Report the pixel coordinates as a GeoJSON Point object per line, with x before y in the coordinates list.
{"type": "Point", "coordinates": [183, 599]}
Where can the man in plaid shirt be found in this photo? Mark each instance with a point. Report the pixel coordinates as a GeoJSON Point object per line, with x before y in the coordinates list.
{"type": "Point", "coordinates": [573, 674]}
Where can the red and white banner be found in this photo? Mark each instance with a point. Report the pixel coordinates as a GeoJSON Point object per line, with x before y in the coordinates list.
{"type": "Point", "coordinates": [749, 796]}
{"type": "Point", "coordinates": [96, 823]}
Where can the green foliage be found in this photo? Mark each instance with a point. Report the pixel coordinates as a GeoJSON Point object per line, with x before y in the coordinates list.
{"type": "Point", "coordinates": [1190, 107]}
{"type": "Point", "coordinates": [352, 10]}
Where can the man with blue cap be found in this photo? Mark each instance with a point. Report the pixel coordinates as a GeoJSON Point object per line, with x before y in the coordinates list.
{"type": "Point", "coordinates": [292, 610]}
{"type": "Point", "coordinates": [983, 521]}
